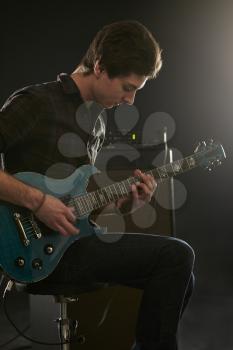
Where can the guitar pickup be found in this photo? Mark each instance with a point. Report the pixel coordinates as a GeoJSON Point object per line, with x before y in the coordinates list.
{"type": "Point", "coordinates": [36, 230]}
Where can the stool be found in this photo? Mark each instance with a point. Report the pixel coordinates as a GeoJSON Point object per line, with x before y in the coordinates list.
{"type": "Point", "coordinates": [63, 294]}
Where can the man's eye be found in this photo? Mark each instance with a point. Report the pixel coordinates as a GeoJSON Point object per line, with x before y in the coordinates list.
{"type": "Point", "coordinates": [128, 88]}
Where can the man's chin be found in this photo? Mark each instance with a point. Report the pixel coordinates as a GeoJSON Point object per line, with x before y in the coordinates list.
{"type": "Point", "coordinates": [109, 106]}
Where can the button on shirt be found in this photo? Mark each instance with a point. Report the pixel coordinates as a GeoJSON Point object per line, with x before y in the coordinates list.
{"type": "Point", "coordinates": [47, 128]}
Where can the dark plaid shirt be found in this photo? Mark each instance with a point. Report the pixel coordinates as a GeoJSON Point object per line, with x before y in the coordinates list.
{"type": "Point", "coordinates": [48, 129]}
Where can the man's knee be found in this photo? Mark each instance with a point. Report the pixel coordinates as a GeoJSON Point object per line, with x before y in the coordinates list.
{"type": "Point", "coordinates": [181, 253]}
{"type": "Point", "coordinates": [187, 252]}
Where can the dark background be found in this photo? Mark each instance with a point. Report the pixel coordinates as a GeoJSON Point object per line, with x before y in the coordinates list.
{"type": "Point", "coordinates": [195, 86]}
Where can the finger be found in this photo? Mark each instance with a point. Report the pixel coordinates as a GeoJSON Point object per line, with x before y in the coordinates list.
{"type": "Point", "coordinates": [61, 230]}
{"type": "Point", "coordinates": [137, 172]}
{"type": "Point", "coordinates": [134, 191]}
{"type": "Point", "coordinates": [145, 194]}
{"type": "Point", "coordinates": [144, 187]}
{"type": "Point", "coordinates": [149, 181]}
{"type": "Point", "coordinates": [69, 227]}
{"type": "Point", "coordinates": [147, 178]}
{"type": "Point", "coordinates": [144, 177]}
{"type": "Point", "coordinates": [71, 214]}
{"type": "Point", "coordinates": [120, 201]}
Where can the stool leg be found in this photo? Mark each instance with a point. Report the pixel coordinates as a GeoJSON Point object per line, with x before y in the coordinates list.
{"type": "Point", "coordinates": [64, 326]}
{"type": "Point", "coordinates": [67, 327]}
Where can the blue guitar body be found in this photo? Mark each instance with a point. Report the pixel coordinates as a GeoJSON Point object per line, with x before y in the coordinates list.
{"type": "Point", "coordinates": [29, 250]}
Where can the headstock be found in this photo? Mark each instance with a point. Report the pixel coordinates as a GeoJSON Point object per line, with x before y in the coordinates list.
{"type": "Point", "coordinates": [209, 154]}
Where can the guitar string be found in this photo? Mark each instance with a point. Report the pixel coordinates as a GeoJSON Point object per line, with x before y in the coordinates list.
{"type": "Point", "coordinates": [79, 212]}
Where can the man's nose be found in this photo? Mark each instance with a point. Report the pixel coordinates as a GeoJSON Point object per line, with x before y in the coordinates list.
{"type": "Point", "coordinates": [129, 98]}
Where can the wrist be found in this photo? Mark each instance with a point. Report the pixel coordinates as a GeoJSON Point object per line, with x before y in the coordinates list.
{"type": "Point", "coordinates": [126, 207]}
{"type": "Point", "coordinates": [34, 200]}
{"type": "Point", "coordinates": [42, 200]}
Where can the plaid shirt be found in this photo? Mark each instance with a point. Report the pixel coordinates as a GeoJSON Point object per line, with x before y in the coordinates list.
{"type": "Point", "coordinates": [47, 128]}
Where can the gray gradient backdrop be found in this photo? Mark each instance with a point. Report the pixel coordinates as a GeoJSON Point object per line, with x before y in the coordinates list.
{"type": "Point", "coordinates": [195, 87]}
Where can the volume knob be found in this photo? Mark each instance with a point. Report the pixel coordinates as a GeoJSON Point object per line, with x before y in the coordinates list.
{"type": "Point", "coordinates": [37, 264]}
{"type": "Point", "coordinates": [20, 262]}
{"type": "Point", "coordinates": [48, 249]}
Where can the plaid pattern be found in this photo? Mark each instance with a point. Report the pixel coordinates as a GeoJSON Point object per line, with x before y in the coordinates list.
{"type": "Point", "coordinates": [33, 121]}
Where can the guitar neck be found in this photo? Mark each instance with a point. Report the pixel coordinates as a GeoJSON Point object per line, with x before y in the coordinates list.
{"type": "Point", "coordinates": [100, 198]}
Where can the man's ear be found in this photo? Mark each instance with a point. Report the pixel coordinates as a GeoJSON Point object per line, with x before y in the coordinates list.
{"type": "Point", "coordinates": [97, 69]}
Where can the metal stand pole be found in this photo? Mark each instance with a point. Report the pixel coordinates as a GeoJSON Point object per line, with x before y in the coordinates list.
{"type": "Point", "coordinates": [172, 198]}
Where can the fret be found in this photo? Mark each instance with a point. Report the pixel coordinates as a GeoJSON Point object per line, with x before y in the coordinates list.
{"type": "Point", "coordinates": [98, 203]}
{"type": "Point", "coordinates": [187, 162]}
{"type": "Point", "coordinates": [125, 187]}
{"type": "Point", "coordinates": [150, 172]}
{"type": "Point", "coordinates": [89, 201]}
{"type": "Point", "coordinates": [85, 200]}
{"type": "Point", "coordinates": [94, 200]}
{"type": "Point", "coordinates": [78, 204]}
{"type": "Point", "coordinates": [105, 193]}
{"type": "Point", "coordinates": [82, 202]}
{"type": "Point", "coordinates": [116, 192]}
{"type": "Point", "coordinates": [180, 162]}
{"type": "Point", "coordinates": [74, 204]}
{"type": "Point", "coordinates": [170, 168]}
{"type": "Point", "coordinates": [133, 180]}
{"type": "Point", "coordinates": [184, 165]}
{"type": "Point", "coordinates": [120, 189]}
{"type": "Point", "coordinates": [155, 174]}
{"type": "Point", "coordinates": [163, 170]}
{"type": "Point", "coordinates": [108, 192]}
{"type": "Point", "coordinates": [176, 167]}
{"type": "Point", "coordinates": [191, 162]}
{"type": "Point", "coordinates": [101, 197]}
{"type": "Point", "coordinates": [111, 193]}
{"type": "Point", "coordinates": [161, 173]}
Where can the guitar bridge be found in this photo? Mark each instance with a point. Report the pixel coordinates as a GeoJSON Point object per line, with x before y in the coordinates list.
{"type": "Point", "coordinates": [22, 233]}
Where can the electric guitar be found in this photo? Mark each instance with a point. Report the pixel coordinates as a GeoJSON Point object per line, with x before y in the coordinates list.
{"type": "Point", "coordinates": [30, 251]}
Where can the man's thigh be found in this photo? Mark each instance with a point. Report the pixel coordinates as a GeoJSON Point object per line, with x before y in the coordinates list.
{"type": "Point", "coordinates": [112, 257]}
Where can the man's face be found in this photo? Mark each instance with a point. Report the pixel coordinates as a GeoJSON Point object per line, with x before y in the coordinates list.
{"type": "Point", "coordinates": [112, 92]}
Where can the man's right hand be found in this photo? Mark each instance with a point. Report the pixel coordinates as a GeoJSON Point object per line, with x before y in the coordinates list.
{"type": "Point", "coordinates": [57, 216]}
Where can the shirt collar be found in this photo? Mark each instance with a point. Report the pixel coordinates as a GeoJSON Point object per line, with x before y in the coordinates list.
{"type": "Point", "coordinates": [68, 84]}
{"type": "Point", "coordinates": [94, 109]}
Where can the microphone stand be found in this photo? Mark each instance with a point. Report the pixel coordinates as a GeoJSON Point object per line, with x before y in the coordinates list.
{"type": "Point", "coordinates": [172, 198]}
{"type": "Point", "coordinates": [168, 156]}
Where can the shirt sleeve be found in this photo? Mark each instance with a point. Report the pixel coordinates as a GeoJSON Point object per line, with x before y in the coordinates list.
{"type": "Point", "coordinates": [18, 116]}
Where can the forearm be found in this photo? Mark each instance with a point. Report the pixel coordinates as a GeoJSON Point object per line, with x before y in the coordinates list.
{"type": "Point", "coordinates": [19, 193]}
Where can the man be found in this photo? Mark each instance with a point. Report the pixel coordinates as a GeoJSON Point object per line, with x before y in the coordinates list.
{"type": "Point", "coordinates": [36, 125]}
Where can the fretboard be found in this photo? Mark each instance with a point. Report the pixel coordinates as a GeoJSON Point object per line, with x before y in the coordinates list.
{"type": "Point", "coordinates": [88, 202]}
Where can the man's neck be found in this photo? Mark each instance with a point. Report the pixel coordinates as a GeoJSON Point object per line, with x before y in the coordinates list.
{"type": "Point", "coordinates": [84, 83]}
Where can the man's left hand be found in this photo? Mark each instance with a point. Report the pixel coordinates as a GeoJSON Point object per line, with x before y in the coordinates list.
{"type": "Point", "coordinates": [142, 192]}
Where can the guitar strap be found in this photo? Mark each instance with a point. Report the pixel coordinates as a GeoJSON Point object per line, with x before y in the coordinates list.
{"type": "Point", "coordinates": [2, 162]}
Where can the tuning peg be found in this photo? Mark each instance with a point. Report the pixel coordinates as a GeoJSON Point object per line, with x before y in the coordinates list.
{"type": "Point", "coordinates": [201, 145]}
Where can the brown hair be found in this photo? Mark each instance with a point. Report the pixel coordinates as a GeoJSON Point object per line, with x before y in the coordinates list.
{"type": "Point", "coordinates": [123, 48]}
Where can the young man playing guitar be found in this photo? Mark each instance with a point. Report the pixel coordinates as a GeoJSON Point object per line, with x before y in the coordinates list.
{"type": "Point", "coordinates": [37, 128]}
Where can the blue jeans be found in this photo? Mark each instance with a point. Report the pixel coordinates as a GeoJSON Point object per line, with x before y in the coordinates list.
{"type": "Point", "coordinates": [159, 265]}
